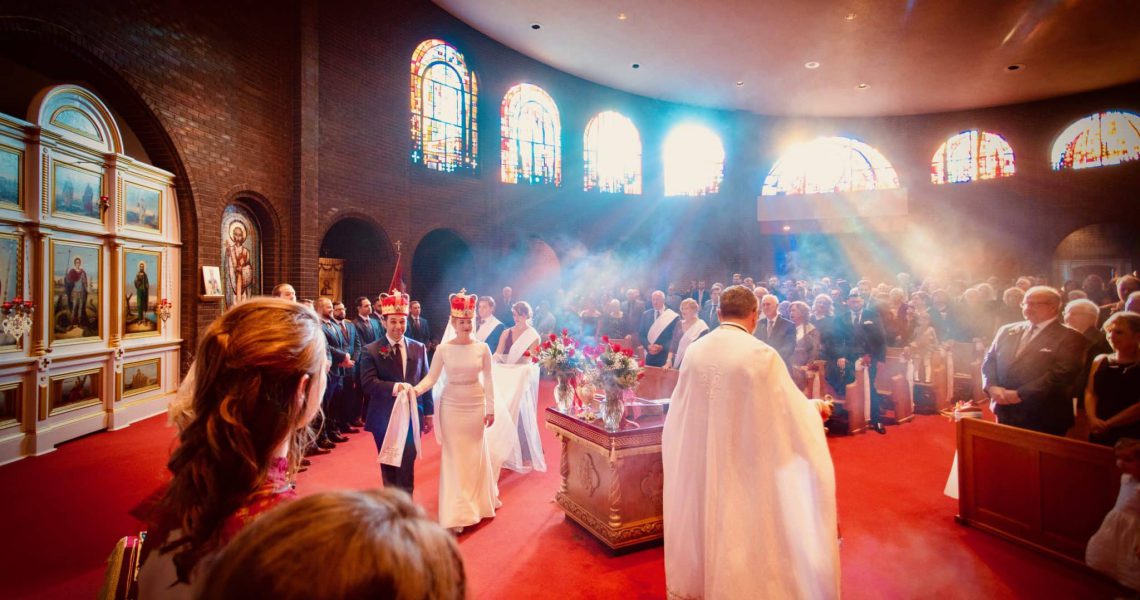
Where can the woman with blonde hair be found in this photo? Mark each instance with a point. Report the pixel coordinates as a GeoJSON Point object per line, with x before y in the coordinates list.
{"type": "Point", "coordinates": [340, 545]}
{"type": "Point", "coordinates": [260, 373]}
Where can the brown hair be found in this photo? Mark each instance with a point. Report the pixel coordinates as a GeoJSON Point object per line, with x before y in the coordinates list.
{"type": "Point", "coordinates": [522, 308]}
{"type": "Point", "coordinates": [738, 302]}
{"type": "Point", "coordinates": [346, 544]}
{"type": "Point", "coordinates": [249, 364]}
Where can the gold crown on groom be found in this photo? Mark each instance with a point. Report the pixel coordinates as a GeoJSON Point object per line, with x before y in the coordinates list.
{"type": "Point", "coordinates": [394, 304]}
{"type": "Point", "coordinates": [463, 304]}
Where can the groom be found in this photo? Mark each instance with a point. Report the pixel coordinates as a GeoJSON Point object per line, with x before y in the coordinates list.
{"type": "Point", "coordinates": [388, 365]}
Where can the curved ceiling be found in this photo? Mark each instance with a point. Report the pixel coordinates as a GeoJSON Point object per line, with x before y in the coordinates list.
{"type": "Point", "coordinates": [911, 56]}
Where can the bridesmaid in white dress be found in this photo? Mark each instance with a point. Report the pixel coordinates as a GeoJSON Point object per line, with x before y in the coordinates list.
{"type": "Point", "coordinates": [468, 491]}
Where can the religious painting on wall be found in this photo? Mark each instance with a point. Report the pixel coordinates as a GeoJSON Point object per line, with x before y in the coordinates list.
{"type": "Point", "coordinates": [212, 282]}
{"type": "Point", "coordinates": [76, 193]}
{"type": "Point", "coordinates": [10, 404]}
{"type": "Point", "coordinates": [142, 288]}
{"type": "Point", "coordinates": [10, 169]}
{"type": "Point", "coordinates": [143, 208]}
{"type": "Point", "coordinates": [11, 277]}
{"type": "Point", "coordinates": [75, 306]}
{"type": "Point", "coordinates": [241, 255]}
{"type": "Point", "coordinates": [140, 377]}
{"type": "Point", "coordinates": [330, 278]}
{"type": "Point", "coordinates": [74, 390]}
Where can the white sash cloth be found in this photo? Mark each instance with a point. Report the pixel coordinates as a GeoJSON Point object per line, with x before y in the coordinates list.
{"type": "Point", "coordinates": [521, 345]}
{"type": "Point", "coordinates": [660, 324]}
{"type": "Point", "coordinates": [404, 414]}
{"type": "Point", "coordinates": [486, 328]}
{"type": "Point", "coordinates": [692, 333]}
{"type": "Point", "coordinates": [514, 439]}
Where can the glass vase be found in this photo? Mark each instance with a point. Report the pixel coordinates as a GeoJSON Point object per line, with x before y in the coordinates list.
{"type": "Point", "coordinates": [613, 409]}
{"type": "Point", "coordinates": [564, 395]}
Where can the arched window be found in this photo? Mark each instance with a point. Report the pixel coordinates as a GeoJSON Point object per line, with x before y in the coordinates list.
{"type": "Point", "coordinates": [830, 164]}
{"type": "Point", "coordinates": [532, 137]}
{"type": "Point", "coordinates": [613, 154]}
{"type": "Point", "coordinates": [970, 156]}
{"type": "Point", "coordinates": [1107, 138]}
{"type": "Point", "coordinates": [694, 161]}
{"type": "Point", "coordinates": [444, 93]}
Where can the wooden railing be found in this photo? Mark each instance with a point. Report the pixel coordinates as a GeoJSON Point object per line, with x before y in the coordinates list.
{"type": "Point", "coordinates": [1048, 492]}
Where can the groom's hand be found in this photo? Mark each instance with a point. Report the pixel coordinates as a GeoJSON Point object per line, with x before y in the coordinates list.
{"type": "Point", "coordinates": [427, 425]}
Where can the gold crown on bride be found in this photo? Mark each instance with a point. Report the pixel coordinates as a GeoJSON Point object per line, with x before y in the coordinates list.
{"type": "Point", "coordinates": [463, 304]}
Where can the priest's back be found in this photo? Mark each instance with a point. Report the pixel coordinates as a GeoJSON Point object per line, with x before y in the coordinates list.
{"type": "Point", "coordinates": [749, 492]}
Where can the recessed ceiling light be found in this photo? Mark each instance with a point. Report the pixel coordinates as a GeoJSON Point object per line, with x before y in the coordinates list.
{"type": "Point", "coordinates": [787, 227]}
{"type": "Point", "coordinates": [739, 83]}
{"type": "Point", "coordinates": [1015, 67]}
{"type": "Point", "coordinates": [622, 17]}
{"type": "Point", "coordinates": [849, 17]}
{"type": "Point", "coordinates": [536, 26]}
{"type": "Point", "coordinates": [811, 64]}
{"type": "Point", "coordinates": [636, 65]}
{"type": "Point", "coordinates": [863, 86]}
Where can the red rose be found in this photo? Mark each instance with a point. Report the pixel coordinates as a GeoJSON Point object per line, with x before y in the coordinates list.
{"type": "Point", "coordinates": [545, 345]}
{"type": "Point", "coordinates": [615, 348]}
{"type": "Point", "coordinates": [565, 331]}
{"type": "Point", "coordinates": [570, 352]}
{"type": "Point", "coordinates": [553, 337]}
{"type": "Point", "coordinates": [605, 339]}
{"type": "Point", "coordinates": [640, 375]}
{"type": "Point", "coordinates": [627, 352]}
{"type": "Point", "coordinates": [527, 353]}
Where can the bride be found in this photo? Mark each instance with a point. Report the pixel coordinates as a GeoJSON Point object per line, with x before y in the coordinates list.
{"type": "Point", "coordinates": [468, 491]}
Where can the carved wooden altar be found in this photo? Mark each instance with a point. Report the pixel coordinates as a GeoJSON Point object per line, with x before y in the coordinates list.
{"type": "Point", "coordinates": [612, 481]}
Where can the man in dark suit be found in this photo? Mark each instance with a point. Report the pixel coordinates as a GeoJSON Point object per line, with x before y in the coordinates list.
{"type": "Point", "coordinates": [504, 308]}
{"type": "Point", "coordinates": [348, 401]}
{"type": "Point", "coordinates": [1125, 286]}
{"type": "Point", "coordinates": [1029, 369]}
{"type": "Point", "coordinates": [488, 327]}
{"type": "Point", "coordinates": [631, 310]}
{"type": "Point", "coordinates": [656, 331]}
{"type": "Point", "coordinates": [711, 308]}
{"type": "Point", "coordinates": [700, 293]}
{"type": "Point", "coordinates": [340, 366]}
{"type": "Point", "coordinates": [857, 332]}
{"type": "Point", "coordinates": [418, 328]}
{"type": "Point", "coordinates": [387, 366]}
{"type": "Point", "coordinates": [368, 326]}
{"type": "Point", "coordinates": [774, 330]}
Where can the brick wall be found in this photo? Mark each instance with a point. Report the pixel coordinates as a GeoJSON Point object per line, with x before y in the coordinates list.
{"type": "Point", "coordinates": [302, 106]}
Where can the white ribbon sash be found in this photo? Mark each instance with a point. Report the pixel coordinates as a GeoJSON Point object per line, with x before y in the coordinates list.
{"type": "Point", "coordinates": [525, 341]}
{"type": "Point", "coordinates": [486, 328]}
{"type": "Point", "coordinates": [691, 334]}
{"type": "Point", "coordinates": [660, 324]}
{"type": "Point", "coordinates": [404, 414]}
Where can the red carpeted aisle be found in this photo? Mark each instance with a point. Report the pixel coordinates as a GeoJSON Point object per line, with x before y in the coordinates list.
{"type": "Point", "coordinates": [61, 513]}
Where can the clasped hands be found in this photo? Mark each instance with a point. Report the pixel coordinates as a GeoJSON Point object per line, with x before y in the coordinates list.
{"type": "Point", "coordinates": [427, 425]}
{"type": "Point", "coordinates": [1002, 396]}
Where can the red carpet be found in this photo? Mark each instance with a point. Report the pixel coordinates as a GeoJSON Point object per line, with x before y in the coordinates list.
{"type": "Point", "coordinates": [61, 514]}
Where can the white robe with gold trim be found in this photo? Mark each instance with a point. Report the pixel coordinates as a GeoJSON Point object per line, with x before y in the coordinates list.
{"type": "Point", "coordinates": [749, 492]}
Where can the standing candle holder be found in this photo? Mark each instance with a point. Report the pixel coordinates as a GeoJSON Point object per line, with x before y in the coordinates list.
{"type": "Point", "coordinates": [165, 308]}
{"type": "Point", "coordinates": [17, 317]}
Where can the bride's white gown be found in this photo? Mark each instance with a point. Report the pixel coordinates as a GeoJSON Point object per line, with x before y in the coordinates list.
{"type": "Point", "coordinates": [468, 491]}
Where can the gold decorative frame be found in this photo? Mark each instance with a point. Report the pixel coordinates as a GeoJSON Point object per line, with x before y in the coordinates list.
{"type": "Point", "coordinates": [72, 216]}
{"type": "Point", "coordinates": [49, 304]}
{"type": "Point", "coordinates": [19, 205]}
{"type": "Point", "coordinates": [50, 406]}
{"type": "Point", "coordinates": [125, 391]}
{"type": "Point", "coordinates": [156, 283]}
{"type": "Point", "coordinates": [19, 239]}
{"type": "Point", "coordinates": [17, 389]}
{"type": "Point", "coordinates": [124, 190]}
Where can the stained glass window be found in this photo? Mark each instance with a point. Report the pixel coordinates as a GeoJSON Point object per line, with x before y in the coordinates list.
{"type": "Point", "coordinates": [1107, 138]}
{"type": "Point", "coordinates": [613, 154]}
{"type": "Point", "coordinates": [694, 161]}
{"type": "Point", "coordinates": [532, 137]}
{"type": "Point", "coordinates": [443, 104]}
{"type": "Point", "coordinates": [970, 156]}
{"type": "Point", "coordinates": [830, 164]}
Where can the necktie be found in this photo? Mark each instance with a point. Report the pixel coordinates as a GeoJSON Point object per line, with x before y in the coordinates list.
{"type": "Point", "coordinates": [1025, 339]}
{"type": "Point", "coordinates": [403, 357]}
{"type": "Point", "coordinates": [770, 324]}
{"type": "Point", "coordinates": [344, 328]}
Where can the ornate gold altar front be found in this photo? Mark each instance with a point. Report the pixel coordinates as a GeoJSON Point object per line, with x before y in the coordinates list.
{"type": "Point", "coordinates": [612, 481]}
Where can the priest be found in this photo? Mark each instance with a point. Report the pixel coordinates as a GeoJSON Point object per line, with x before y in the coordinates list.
{"type": "Point", "coordinates": [749, 492]}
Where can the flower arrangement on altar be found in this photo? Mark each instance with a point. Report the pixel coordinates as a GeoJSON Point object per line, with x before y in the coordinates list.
{"type": "Point", "coordinates": [559, 356]}
{"type": "Point", "coordinates": [613, 367]}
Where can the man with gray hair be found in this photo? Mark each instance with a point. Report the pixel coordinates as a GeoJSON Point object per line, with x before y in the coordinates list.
{"type": "Point", "coordinates": [1081, 316]}
{"type": "Point", "coordinates": [1125, 286]}
{"type": "Point", "coordinates": [1132, 304]}
{"type": "Point", "coordinates": [1030, 367]}
{"type": "Point", "coordinates": [774, 330]}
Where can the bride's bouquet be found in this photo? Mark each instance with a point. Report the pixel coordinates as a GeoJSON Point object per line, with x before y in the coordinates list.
{"type": "Point", "coordinates": [612, 366]}
{"type": "Point", "coordinates": [559, 356]}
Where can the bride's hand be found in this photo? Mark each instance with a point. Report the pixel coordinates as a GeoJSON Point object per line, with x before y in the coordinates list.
{"type": "Point", "coordinates": [489, 420]}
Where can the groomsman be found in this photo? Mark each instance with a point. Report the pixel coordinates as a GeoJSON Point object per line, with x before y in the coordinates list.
{"type": "Point", "coordinates": [367, 324]}
{"type": "Point", "coordinates": [700, 294]}
{"type": "Point", "coordinates": [418, 328]}
{"type": "Point", "coordinates": [858, 332]}
{"type": "Point", "coordinates": [711, 306]}
{"type": "Point", "coordinates": [348, 402]}
{"type": "Point", "coordinates": [656, 333]}
{"type": "Point", "coordinates": [388, 365]}
{"type": "Point", "coordinates": [340, 361]}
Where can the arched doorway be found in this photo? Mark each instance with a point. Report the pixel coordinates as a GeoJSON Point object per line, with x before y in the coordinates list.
{"type": "Point", "coordinates": [1104, 249]}
{"type": "Point", "coordinates": [442, 264]}
{"type": "Point", "coordinates": [356, 260]}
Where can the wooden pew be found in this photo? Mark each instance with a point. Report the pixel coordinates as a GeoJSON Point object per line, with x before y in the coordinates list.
{"type": "Point", "coordinates": [894, 381]}
{"type": "Point", "coordinates": [934, 395]}
{"type": "Point", "coordinates": [857, 400]}
{"type": "Point", "coordinates": [1047, 492]}
{"type": "Point", "coordinates": [815, 383]}
{"type": "Point", "coordinates": [966, 365]}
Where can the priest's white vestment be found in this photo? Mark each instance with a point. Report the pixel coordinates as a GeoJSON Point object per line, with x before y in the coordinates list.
{"type": "Point", "coordinates": [749, 492]}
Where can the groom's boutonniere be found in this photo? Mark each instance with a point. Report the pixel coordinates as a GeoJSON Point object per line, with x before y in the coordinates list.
{"type": "Point", "coordinates": [386, 351]}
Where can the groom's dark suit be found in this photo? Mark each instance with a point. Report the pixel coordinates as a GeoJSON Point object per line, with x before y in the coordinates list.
{"type": "Point", "coordinates": [1042, 374]}
{"type": "Point", "coordinates": [380, 371]}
